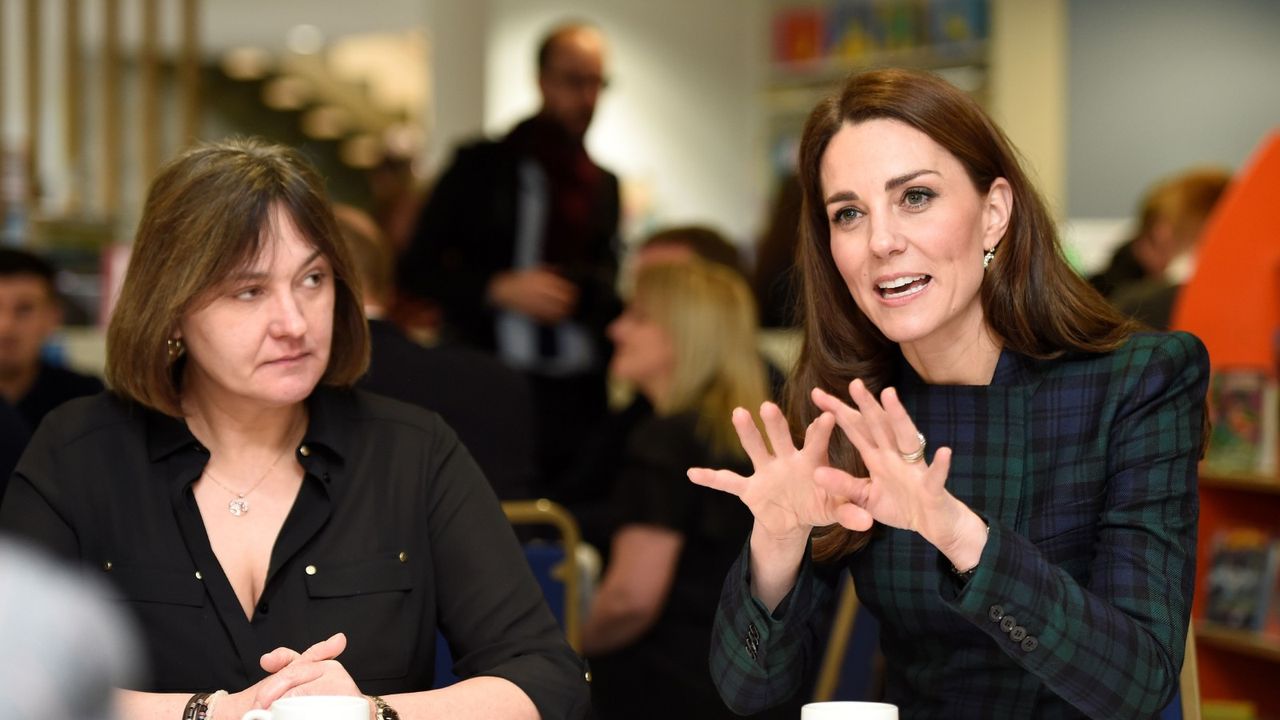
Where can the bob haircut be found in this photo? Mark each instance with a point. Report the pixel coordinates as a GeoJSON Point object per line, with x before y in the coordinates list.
{"type": "Point", "coordinates": [1032, 300]}
{"type": "Point", "coordinates": [207, 216]}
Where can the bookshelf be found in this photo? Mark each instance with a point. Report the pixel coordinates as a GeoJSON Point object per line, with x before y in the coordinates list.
{"type": "Point", "coordinates": [816, 44]}
{"type": "Point", "coordinates": [1235, 664]}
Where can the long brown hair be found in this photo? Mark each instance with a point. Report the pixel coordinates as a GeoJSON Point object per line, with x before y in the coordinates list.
{"type": "Point", "coordinates": [207, 215]}
{"type": "Point", "coordinates": [1031, 298]}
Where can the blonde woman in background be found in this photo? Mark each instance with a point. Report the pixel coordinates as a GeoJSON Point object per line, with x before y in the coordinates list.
{"type": "Point", "coordinates": [687, 342]}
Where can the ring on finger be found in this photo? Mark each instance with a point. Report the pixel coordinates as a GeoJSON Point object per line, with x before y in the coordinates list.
{"type": "Point", "coordinates": [918, 454]}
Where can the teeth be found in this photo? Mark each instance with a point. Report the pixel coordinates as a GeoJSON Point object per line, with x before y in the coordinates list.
{"type": "Point", "coordinates": [907, 280]}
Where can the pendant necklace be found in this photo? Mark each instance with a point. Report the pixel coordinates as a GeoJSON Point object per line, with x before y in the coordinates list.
{"type": "Point", "coordinates": [239, 505]}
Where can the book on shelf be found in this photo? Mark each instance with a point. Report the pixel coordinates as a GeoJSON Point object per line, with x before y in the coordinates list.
{"type": "Point", "coordinates": [1244, 410]}
{"type": "Point", "coordinates": [1244, 570]}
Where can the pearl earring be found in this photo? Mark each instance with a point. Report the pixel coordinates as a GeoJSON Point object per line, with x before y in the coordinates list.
{"type": "Point", "coordinates": [987, 257]}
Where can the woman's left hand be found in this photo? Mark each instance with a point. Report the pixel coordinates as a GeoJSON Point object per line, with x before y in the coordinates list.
{"type": "Point", "coordinates": [314, 671]}
{"type": "Point", "coordinates": [910, 495]}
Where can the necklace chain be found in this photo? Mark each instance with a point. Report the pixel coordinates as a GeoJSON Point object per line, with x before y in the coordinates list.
{"type": "Point", "coordinates": [239, 505]}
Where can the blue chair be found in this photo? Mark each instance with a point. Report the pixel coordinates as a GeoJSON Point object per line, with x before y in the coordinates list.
{"type": "Point", "coordinates": [555, 566]}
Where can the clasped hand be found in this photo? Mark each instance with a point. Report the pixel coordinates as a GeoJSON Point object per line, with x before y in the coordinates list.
{"type": "Point", "coordinates": [314, 671]}
{"type": "Point", "coordinates": [793, 490]}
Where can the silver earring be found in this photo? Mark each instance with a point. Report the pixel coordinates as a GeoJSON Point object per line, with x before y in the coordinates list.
{"type": "Point", "coordinates": [987, 257]}
{"type": "Point", "coordinates": [176, 348]}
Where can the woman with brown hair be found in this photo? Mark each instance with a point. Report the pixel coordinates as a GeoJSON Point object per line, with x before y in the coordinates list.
{"type": "Point", "coordinates": [1014, 485]}
{"type": "Point", "coordinates": [247, 504]}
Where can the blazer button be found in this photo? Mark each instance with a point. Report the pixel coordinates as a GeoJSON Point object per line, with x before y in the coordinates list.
{"type": "Point", "coordinates": [1030, 643]}
{"type": "Point", "coordinates": [995, 613]}
{"type": "Point", "coordinates": [1008, 623]}
{"type": "Point", "coordinates": [753, 641]}
{"type": "Point", "coordinates": [1018, 634]}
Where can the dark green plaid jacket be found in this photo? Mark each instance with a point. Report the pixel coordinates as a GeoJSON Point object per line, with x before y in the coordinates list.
{"type": "Point", "coordinates": [1085, 469]}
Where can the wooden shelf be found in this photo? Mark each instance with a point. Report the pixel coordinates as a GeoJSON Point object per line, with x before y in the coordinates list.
{"type": "Point", "coordinates": [1244, 482]}
{"type": "Point", "coordinates": [1245, 642]}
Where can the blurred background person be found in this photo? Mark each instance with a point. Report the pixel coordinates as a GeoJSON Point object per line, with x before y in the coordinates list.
{"type": "Point", "coordinates": [1144, 275]}
{"type": "Point", "coordinates": [272, 530]}
{"type": "Point", "coordinates": [13, 439]}
{"type": "Point", "coordinates": [484, 401]}
{"type": "Point", "coordinates": [588, 487]}
{"type": "Point", "coordinates": [518, 244]}
{"type": "Point", "coordinates": [687, 342]}
{"type": "Point", "coordinates": [65, 648]}
{"type": "Point", "coordinates": [30, 313]}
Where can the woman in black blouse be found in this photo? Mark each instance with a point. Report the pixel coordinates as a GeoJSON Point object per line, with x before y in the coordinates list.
{"type": "Point", "coordinates": [687, 342]}
{"type": "Point", "coordinates": [275, 532]}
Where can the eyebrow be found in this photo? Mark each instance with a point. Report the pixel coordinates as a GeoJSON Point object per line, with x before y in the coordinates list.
{"type": "Point", "coordinates": [847, 195]}
{"type": "Point", "coordinates": [259, 274]}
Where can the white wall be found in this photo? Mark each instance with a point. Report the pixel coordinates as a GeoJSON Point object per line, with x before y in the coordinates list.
{"type": "Point", "coordinates": [680, 122]}
{"type": "Point", "coordinates": [1158, 85]}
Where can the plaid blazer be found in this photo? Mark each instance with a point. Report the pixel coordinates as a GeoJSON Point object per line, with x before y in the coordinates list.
{"type": "Point", "coordinates": [1085, 469]}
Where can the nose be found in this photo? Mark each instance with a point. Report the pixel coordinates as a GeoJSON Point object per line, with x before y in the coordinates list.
{"type": "Point", "coordinates": [884, 239]}
{"type": "Point", "coordinates": [288, 320]}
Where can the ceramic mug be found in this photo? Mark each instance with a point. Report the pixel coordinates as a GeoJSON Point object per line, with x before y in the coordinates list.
{"type": "Point", "coordinates": [314, 707]}
{"type": "Point", "coordinates": [848, 711]}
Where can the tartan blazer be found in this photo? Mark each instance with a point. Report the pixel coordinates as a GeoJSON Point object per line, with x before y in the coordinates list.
{"type": "Point", "coordinates": [1084, 468]}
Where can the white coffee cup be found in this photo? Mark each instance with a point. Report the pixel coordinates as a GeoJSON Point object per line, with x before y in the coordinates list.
{"type": "Point", "coordinates": [314, 707]}
{"type": "Point", "coordinates": [844, 710]}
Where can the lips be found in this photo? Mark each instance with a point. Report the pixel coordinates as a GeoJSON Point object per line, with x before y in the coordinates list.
{"type": "Point", "coordinates": [902, 286]}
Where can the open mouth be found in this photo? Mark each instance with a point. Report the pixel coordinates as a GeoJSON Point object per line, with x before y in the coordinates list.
{"type": "Point", "coordinates": [903, 286]}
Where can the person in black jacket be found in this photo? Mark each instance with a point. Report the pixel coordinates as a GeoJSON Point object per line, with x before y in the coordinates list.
{"type": "Point", "coordinates": [487, 403]}
{"type": "Point", "coordinates": [518, 246]}
{"type": "Point", "coordinates": [31, 311]}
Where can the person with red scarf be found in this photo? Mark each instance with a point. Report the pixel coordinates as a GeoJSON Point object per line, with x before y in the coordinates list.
{"type": "Point", "coordinates": [518, 245]}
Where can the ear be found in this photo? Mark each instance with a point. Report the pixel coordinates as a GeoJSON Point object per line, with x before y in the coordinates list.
{"type": "Point", "coordinates": [997, 211]}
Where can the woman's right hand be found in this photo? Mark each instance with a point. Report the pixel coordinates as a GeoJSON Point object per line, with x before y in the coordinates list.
{"type": "Point", "coordinates": [288, 670]}
{"type": "Point", "coordinates": [781, 493]}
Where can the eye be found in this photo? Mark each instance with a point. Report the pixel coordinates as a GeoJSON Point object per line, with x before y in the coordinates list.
{"type": "Point", "coordinates": [917, 198]}
{"type": "Point", "coordinates": [313, 279]}
{"type": "Point", "coordinates": [248, 293]}
{"type": "Point", "coordinates": [846, 216]}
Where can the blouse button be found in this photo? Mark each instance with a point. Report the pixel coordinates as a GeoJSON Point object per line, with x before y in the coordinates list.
{"type": "Point", "coordinates": [310, 570]}
{"type": "Point", "coordinates": [404, 556]}
{"type": "Point", "coordinates": [305, 451]}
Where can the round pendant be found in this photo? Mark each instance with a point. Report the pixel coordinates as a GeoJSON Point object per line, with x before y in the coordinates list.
{"type": "Point", "coordinates": [238, 507]}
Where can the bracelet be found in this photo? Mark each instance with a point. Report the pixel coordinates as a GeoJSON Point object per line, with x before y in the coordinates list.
{"type": "Point", "coordinates": [384, 711]}
{"type": "Point", "coordinates": [200, 706]}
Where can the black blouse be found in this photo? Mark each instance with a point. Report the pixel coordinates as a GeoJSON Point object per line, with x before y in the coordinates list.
{"type": "Point", "coordinates": [394, 533]}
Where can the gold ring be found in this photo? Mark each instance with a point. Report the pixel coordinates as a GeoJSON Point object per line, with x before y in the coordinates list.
{"type": "Point", "coordinates": [918, 454]}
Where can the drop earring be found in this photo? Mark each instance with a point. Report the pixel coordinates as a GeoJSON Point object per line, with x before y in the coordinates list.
{"type": "Point", "coordinates": [987, 257]}
{"type": "Point", "coordinates": [176, 348]}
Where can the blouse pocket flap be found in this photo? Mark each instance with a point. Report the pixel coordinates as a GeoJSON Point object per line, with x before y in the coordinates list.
{"type": "Point", "coordinates": [159, 586]}
{"type": "Point", "coordinates": [375, 575]}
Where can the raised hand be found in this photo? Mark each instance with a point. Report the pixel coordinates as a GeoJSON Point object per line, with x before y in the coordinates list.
{"type": "Point", "coordinates": [900, 491]}
{"type": "Point", "coordinates": [781, 492]}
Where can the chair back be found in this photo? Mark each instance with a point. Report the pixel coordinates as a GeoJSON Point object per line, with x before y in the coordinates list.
{"type": "Point", "coordinates": [555, 566]}
{"type": "Point", "coordinates": [848, 669]}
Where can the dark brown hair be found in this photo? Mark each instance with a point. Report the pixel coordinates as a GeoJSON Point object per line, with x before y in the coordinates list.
{"type": "Point", "coordinates": [207, 216]}
{"type": "Point", "coordinates": [707, 243]}
{"type": "Point", "coordinates": [1031, 298]}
